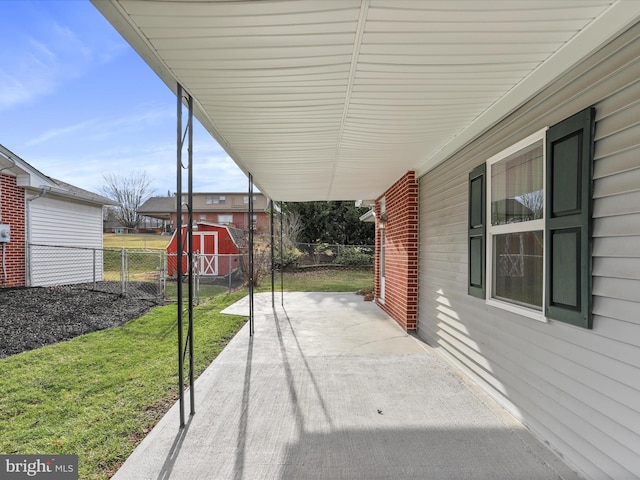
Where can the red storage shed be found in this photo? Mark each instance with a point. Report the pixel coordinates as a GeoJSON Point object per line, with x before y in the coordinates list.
{"type": "Point", "coordinates": [218, 248]}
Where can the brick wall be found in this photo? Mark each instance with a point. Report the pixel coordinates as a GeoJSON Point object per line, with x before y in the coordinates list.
{"type": "Point", "coordinates": [12, 209]}
{"type": "Point", "coordinates": [239, 219]}
{"type": "Point", "coordinates": [401, 252]}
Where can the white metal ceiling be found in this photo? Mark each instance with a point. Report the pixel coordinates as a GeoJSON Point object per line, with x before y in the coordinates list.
{"type": "Point", "coordinates": [337, 99]}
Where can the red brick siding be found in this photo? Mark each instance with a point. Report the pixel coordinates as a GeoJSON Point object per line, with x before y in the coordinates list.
{"type": "Point", "coordinates": [12, 209]}
{"type": "Point", "coordinates": [239, 219]}
{"type": "Point", "coordinates": [401, 252]}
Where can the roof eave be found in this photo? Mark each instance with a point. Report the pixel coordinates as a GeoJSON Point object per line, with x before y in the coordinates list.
{"type": "Point", "coordinates": [616, 19]}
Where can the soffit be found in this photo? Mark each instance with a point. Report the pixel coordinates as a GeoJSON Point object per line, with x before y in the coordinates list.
{"type": "Point", "coordinates": [337, 99]}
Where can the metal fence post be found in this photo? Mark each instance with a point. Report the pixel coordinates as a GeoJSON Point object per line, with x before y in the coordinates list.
{"type": "Point", "coordinates": [122, 271]}
{"type": "Point", "coordinates": [94, 268]}
{"type": "Point", "coordinates": [160, 275]}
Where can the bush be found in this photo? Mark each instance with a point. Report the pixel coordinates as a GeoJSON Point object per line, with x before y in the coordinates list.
{"type": "Point", "coordinates": [353, 256]}
{"type": "Point", "coordinates": [290, 257]}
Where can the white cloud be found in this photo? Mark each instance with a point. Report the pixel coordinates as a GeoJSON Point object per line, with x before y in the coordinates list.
{"type": "Point", "coordinates": [61, 132]}
{"type": "Point", "coordinates": [44, 52]}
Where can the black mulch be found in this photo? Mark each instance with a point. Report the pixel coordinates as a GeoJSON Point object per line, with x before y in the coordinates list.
{"type": "Point", "coordinates": [31, 318]}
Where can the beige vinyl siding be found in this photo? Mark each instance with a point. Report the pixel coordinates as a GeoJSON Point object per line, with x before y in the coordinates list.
{"type": "Point", "coordinates": [57, 223]}
{"type": "Point", "coordinates": [577, 389]}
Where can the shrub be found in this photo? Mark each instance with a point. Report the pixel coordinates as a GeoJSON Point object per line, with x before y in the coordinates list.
{"type": "Point", "coordinates": [353, 256]}
{"type": "Point", "coordinates": [290, 257]}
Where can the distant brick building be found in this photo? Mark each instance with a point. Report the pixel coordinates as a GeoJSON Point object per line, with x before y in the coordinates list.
{"type": "Point", "coordinates": [220, 208]}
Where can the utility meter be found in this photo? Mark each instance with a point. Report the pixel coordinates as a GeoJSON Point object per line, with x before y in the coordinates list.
{"type": "Point", "coordinates": [5, 233]}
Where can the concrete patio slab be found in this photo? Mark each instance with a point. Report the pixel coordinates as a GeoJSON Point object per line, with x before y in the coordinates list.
{"type": "Point", "coordinates": [330, 387]}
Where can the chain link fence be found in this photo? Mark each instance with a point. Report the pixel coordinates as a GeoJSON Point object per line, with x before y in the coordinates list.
{"type": "Point", "coordinates": [319, 254]}
{"type": "Point", "coordinates": [213, 273]}
{"type": "Point", "coordinates": [139, 274]}
{"type": "Point", "coordinates": [152, 274]}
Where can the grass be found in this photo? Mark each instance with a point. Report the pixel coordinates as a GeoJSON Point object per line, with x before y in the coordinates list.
{"type": "Point", "coordinates": [205, 290]}
{"type": "Point", "coordinates": [322, 281]}
{"type": "Point", "coordinates": [135, 241]}
{"type": "Point", "coordinates": [138, 261]}
{"type": "Point", "coordinates": [99, 394]}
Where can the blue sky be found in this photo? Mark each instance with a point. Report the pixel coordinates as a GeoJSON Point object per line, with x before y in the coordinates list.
{"type": "Point", "coordinates": [77, 102]}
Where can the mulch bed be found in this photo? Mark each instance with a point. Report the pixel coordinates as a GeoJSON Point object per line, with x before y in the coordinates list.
{"type": "Point", "coordinates": [31, 318]}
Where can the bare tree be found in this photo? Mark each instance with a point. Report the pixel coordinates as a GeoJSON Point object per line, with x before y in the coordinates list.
{"type": "Point", "coordinates": [534, 201]}
{"type": "Point", "coordinates": [130, 191]}
{"type": "Point", "coordinates": [291, 226]}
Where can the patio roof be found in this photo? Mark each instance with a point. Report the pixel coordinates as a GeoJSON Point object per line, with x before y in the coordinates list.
{"type": "Point", "coordinates": [336, 99]}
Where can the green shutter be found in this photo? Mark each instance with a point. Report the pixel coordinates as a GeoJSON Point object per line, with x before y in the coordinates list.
{"type": "Point", "coordinates": [477, 231]}
{"type": "Point", "coordinates": [568, 224]}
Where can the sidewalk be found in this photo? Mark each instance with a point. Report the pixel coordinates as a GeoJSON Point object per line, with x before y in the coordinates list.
{"type": "Point", "coordinates": [331, 388]}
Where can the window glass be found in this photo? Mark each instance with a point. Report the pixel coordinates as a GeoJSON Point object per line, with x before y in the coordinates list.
{"type": "Point", "coordinates": [515, 234]}
{"type": "Point", "coordinates": [518, 268]}
{"type": "Point", "coordinates": [225, 218]}
{"type": "Point", "coordinates": [517, 193]}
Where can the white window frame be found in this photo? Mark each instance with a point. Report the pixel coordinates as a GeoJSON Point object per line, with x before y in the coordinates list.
{"type": "Point", "coordinates": [517, 227]}
{"type": "Point", "coordinates": [227, 215]}
{"type": "Point", "coordinates": [214, 199]}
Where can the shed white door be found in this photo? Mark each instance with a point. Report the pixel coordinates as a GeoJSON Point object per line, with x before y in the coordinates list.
{"type": "Point", "coordinates": [207, 246]}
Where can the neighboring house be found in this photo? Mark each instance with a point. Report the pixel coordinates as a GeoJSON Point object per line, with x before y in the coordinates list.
{"type": "Point", "coordinates": [221, 208]}
{"type": "Point", "coordinates": [219, 248]}
{"type": "Point", "coordinates": [43, 215]}
{"type": "Point", "coordinates": [114, 227]}
{"type": "Point", "coordinates": [457, 120]}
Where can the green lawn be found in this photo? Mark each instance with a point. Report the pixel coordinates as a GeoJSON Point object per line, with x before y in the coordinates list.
{"type": "Point", "coordinates": [322, 281]}
{"type": "Point", "coordinates": [135, 241]}
{"type": "Point", "coordinates": [98, 394]}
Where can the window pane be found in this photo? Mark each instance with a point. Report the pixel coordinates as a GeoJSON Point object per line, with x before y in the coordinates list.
{"type": "Point", "coordinates": [517, 264]}
{"type": "Point", "coordinates": [516, 187]}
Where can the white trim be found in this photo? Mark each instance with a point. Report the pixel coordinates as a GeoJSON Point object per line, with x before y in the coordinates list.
{"type": "Point", "coordinates": [516, 147]}
{"type": "Point", "coordinates": [513, 308]}
{"type": "Point", "coordinates": [530, 226]}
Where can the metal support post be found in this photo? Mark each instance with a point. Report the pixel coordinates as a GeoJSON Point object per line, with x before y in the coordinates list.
{"type": "Point", "coordinates": [251, 271]}
{"type": "Point", "coordinates": [179, 253]}
{"type": "Point", "coordinates": [190, 250]}
{"type": "Point", "coordinates": [281, 258]}
{"type": "Point", "coordinates": [181, 241]}
{"type": "Point", "coordinates": [273, 271]}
